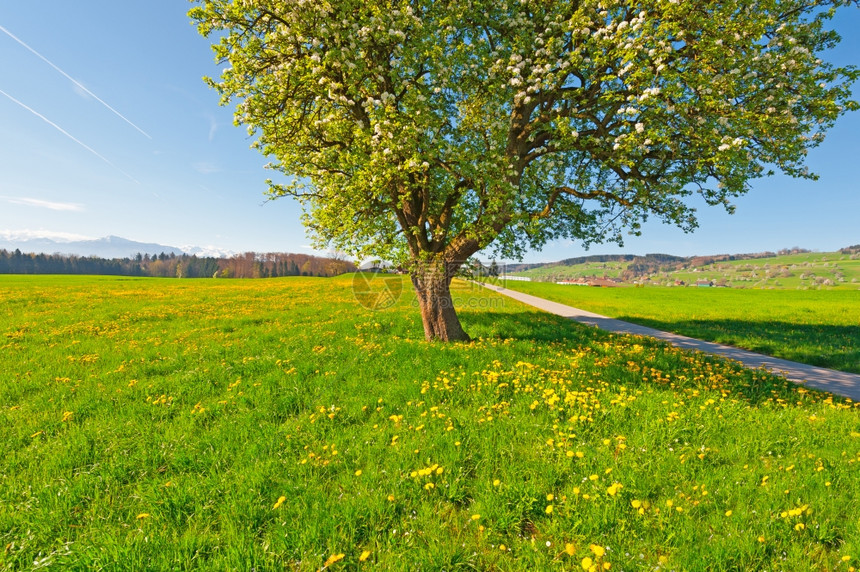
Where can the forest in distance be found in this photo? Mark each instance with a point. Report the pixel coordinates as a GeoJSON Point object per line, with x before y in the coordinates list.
{"type": "Point", "coordinates": [247, 265]}
{"type": "Point", "coordinates": [274, 265]}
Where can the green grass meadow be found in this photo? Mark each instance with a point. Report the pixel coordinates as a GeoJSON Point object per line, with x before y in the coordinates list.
{"type": "Point", "coordinates": [816, 327]}
{"type": "Point", "coordinates": [150, 424]}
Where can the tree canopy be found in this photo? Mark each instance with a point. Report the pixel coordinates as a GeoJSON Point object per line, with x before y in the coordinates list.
{"type": "Point", "coordinates": [424, 131]}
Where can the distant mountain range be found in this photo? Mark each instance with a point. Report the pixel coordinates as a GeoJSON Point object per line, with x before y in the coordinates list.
{"type": "Point", "coordinates": [107, 247]}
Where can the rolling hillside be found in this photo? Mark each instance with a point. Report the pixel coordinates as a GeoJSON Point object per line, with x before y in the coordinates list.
{"type": "Point", "coordinates": [800, 270]}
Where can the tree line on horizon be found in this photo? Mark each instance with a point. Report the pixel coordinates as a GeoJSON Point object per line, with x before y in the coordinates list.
{"type": "Point", "coordinates": [164, 265]}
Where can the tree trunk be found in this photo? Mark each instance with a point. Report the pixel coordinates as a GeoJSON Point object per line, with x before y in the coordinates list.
{"type": "Point", "coordinates": [432, 284]}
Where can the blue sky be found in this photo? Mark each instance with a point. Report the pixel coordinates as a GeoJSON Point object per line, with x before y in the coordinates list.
{"type": "Point", "coordinates": [116, 134]}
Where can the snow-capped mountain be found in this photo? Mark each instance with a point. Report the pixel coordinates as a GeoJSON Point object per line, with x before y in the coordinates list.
{"type": "Point", "coordinates": [107, 247]}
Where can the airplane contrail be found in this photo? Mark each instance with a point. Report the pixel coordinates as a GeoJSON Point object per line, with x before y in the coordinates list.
{"type": "Point", "coordinates": [73, 80]}
{"type": "Point", "coordinates": [69, 135]}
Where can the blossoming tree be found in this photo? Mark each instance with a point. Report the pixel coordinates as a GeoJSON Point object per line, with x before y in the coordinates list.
{"type": "Point", "coordinates": [423, 131]}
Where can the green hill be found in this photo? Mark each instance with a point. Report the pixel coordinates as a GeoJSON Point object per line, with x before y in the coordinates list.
{"type": "Point", "coordinates": [798, 270]}
{"type": "Point", "coordinates": [806, 271]}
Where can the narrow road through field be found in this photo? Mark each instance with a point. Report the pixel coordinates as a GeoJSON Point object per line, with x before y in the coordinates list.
{"type": "Point", "coordinates": [836, 382]}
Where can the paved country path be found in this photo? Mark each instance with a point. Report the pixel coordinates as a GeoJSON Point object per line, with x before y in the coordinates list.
{"type": "Point", "coordinates": [836, 382]}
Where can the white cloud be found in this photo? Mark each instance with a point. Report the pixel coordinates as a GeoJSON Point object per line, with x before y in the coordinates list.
{"type": "Point", "coordinates": [213, 251]}
{"type": "Point", "coordinates": [213, 126]}
{"type": "Point", "coordinates": [205, 167]}
{"type": "Point", "coordinates": [26, 234]}
{"type": "Point", "coordinates": [39, 203]}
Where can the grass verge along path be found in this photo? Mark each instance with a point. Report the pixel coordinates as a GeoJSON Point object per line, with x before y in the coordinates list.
{"type": "Point", "coordinates": [818, 328]}
{"type": "Point", "coordinates": [841, 383]}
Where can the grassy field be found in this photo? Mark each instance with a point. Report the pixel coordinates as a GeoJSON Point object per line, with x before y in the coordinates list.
{"type": "Point", "coordinates": [819, 328]}
{"type": "Point", "coordinates": [276, 424]}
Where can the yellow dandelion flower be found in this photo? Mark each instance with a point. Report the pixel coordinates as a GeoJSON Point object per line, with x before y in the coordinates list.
{"type": "Point", "coordinates": [358, 473]}
{"type": "Point", "coordinates": [592, 477]}
{"type": "Point", "coordinates": [799, 526]}
{"type": "Point", "coordinates": [497, 482]}
{"type": "Point", "coordinates": [728, 513]}
{"type": "Point", "coordinates": [597, 550]}
{"type": "Point", "coordinates": [390, 498]}
{"type": "Point", "coordinates": [607, 565]}
{"type": "Point", "coordinates": [636, 503]}
{"type": "Point", "coordinates": [761, 538]}
{"type": "Point", "coordinates": [570, 549]}
{"type": "Point", "coordinates": [476, 516]}
{"type": "Point", "coordinates": [587, 563]}
{"type": "Point", "coordinates": [333, 558]}
{"type": "Point", "coordinates": [143, 515]}
{"type": "Point", "coordinates": [550, 497]}
{"type": "Point", "coordinates": [364, 556]}
{"type": "Point", "coordinates": [278, 504]}
{"type": "Point", "coordinates": [548, 509]}
{"type": "Point", "coordinates": [502, 547]}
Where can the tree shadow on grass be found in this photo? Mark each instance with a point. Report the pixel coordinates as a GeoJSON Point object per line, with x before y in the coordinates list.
{"type": "Point", "coordinates": [536, 326]}
{"type": "Point", "coordinates": [834, 347]}
{"type": "Point", "coordinates": [755, 386]}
